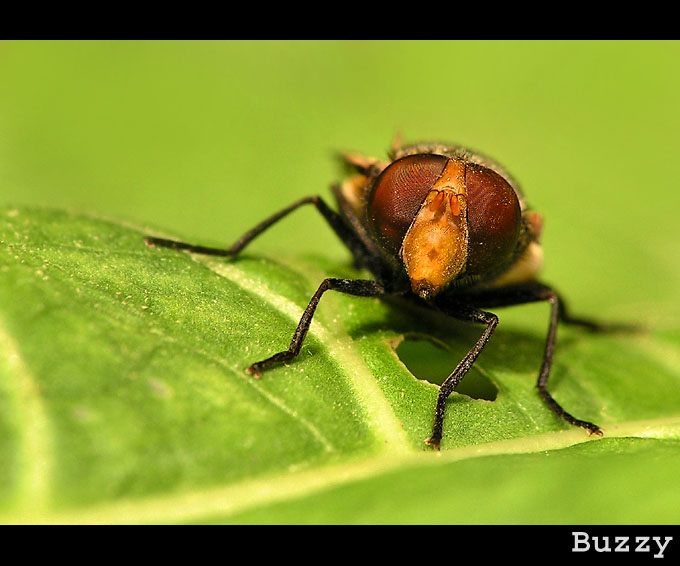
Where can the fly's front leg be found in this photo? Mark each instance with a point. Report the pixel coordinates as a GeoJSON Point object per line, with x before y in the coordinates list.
{"type": "Point", "coordinates": [449, 385]}
{"type": "Point", "coordinates": [358, 287]}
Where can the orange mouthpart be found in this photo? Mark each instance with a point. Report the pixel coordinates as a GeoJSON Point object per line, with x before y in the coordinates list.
{"type": "Point", "coordinates": [434, 250]}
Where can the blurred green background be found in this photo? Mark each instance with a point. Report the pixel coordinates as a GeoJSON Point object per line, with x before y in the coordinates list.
{"type": "Point", "coordinates": [204, 139]}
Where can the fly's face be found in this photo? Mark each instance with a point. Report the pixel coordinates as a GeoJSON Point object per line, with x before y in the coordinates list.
{"type": "Point", "coordinates": [445, 218]}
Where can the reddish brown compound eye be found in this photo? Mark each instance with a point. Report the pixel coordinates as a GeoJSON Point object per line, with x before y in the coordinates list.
{"type": "Point", "coordinates": [494, 219]}
{"type": "Point", "coordinates": [397, 195]}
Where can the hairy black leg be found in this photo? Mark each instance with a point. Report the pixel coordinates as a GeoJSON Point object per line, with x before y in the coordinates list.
{"type": "Point", "coordinates": [534, 292]}
{"type": "Point", "coordinates": [332, 217]}
{"type": "Point", "coordinates": [542, 383]}
{"type": "Point", "coordinates": [472, 315]}
{"type": "Point", "coordinates": [359, 287]}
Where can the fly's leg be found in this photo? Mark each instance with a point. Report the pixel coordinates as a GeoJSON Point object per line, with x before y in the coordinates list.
{"type": "Point", "coordinates": [332, 217]}
{"type": "Point", "coordinates": [542, 384]}
{"type": "Point", "coordinates": [518, 295]}
{"type": "Point", "coordinates": [450, 383]}
{"type": "Point", "coordinates": [358, 287]}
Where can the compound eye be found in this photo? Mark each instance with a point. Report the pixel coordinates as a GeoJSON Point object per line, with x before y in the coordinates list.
{"type": "Point", "coordinates": [494, 219]}
{"type": "Point", "coordinates": [398, 194]}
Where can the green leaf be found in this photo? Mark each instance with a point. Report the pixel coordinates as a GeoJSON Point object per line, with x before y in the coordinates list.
{"type": "Point", "coordinates": [123, 397]}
